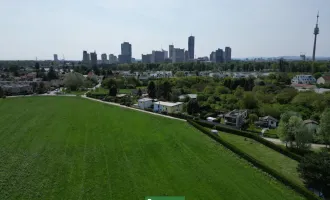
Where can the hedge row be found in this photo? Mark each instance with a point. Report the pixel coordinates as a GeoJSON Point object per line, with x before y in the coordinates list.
{"type": "Point", "coordinates": [300, 189]}
{"type": "Point", "coordinates": [96, 96]}
{"type": "Point", "coordinates": [271, 135]}
{"type": "Point", "coordinates": [267, 143]}
{"type": "Point", "coordinates": [180, 115]}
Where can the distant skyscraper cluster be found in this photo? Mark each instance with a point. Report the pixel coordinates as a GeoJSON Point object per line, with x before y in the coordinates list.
{"type": "Point", "coordinates": [220, 56]}
{"type": "Point", "coordinates": [174, 55]}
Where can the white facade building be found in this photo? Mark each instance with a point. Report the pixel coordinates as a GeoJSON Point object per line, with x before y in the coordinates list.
{"type": "Point", "coordinates": [145, 103]}
{"type": "Point", "coordinates": [169, 107]}
{"type": "Point", "coordinates": [303, 79]}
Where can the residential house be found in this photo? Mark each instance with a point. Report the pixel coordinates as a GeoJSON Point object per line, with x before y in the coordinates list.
{"type": "Point", "coordinates": [145, 103]}
{"type": "Point", "coordinates": [303, 79]}
{"type": "Point", "coordinates": [190, 96]}
{"type": "Point", "coordinates": [323, 80]}
{"type": "Point", "coordinates": [267, 122]}
{"type": "Point", "coordinates": [169, 107]}
{"type": "Point", "coordinates": [236, 118]}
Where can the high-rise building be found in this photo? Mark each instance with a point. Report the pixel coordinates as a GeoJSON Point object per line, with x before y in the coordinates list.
{"type": "Point", "coordinates": [104, 58]}
{"type": "Point", "coordinates": [112, 59]}
{"type": "Point", "coordinates": [157, 56]}
{"type": "Point", "coordinates": [227, 54]}
{"type": "Point", "coordinates": [316, 32]}
{"type": "Point", "coordinates": [126, 53]}
{"type": "Point", "coordinates": [55, 58]}
{"type": "Point", "coordinates": [86, 57]}
{"type": "Point", "coordinates": [124, 59]}
{"type": "Point", "coordinates": [212, 56]}
{"type": "Point", "coordinates": [191, 47]}
{"type": "Point", "coordinates": [146, 58]}
{"type": "Point", "coordinates": [178, 55]}
{"type": "Point", "coordinates": [186, 56]}
{"type": "Point", "coordinates": [170, 49]}
{"type": "Point", "coordinates": [93, 58]}
{"type": "Point", "coordinates": [219, 56]}
{"type": "Point", "coordinates": [165, 53]}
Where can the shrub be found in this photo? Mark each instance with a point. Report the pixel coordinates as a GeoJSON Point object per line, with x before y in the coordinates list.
{"type": "Point", "coordinates": [267, 143]}
{"type": "Point", "coordinates": [300, 189]}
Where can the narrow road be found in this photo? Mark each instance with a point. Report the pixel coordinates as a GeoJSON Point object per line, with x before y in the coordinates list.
{"type": "Point", "coordinates": [278, 141]}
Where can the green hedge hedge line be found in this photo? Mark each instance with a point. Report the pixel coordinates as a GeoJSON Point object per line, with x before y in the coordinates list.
{"type": "Point", "coordinates": [267, 143]}
{"type": "Point", "coordinates": [300, 189]}
{"type": "Point", "coordinates": [271, 135]}
{"type": "Point", "coordinates": [96, 96]}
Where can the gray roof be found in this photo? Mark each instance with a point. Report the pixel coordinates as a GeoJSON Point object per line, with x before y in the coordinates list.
{"type": "Point", "coordinates": [269, 118]}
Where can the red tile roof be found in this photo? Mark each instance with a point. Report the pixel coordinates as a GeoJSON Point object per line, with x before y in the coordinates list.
{"type": "Point", "coordinates": [326, 78]}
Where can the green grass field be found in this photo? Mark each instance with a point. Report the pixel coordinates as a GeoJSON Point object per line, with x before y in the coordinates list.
{"type": "Point", "coordinates": [125, 91]}
{"type": "Point", "coordinates": [275, 160]}
{"type": "Point", "coordinates": [73, 148]}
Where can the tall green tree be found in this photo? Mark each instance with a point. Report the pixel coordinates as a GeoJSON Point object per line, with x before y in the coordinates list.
{"type": "Point", "coordinates": [51, 74]}
{"type": "Point", "coordinates": [73, 80]}
{"type": "Point", "coordinates": [283, 129]}
{"type": "Point", "coordinates": [302, 136]}
{"type": "Point", "coordinates": [2, 93]}
{"type": "Point", "coordinates": [113, 91]}
{"type": "Point", "coordinates": [193, 107]}
{"type": "Point", "coordinates": [314, 170]}
{"type": "Point", "coordinates": [249, 101]}
{"type": "Point", "coordinates": [152, 89]}
{"type": "Point", "coordinates": [167, 89]}
{"type": "Point", "coordinates": [324, 128]}
{"type": "Point", "coordinates": [139, 92]}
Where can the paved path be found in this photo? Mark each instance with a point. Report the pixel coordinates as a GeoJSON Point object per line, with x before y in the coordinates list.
{"type": "Point", "coordinates": [278, 141]}
{"type": "Point", "coordinates": [122, 106]}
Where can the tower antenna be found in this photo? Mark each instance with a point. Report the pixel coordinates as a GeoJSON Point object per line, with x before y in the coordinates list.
{"type": "Point", "coordinates": [316, 32]}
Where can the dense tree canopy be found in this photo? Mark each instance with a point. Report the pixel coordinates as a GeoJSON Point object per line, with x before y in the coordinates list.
{"type": "Point", "coordinates": [314, 170]}
{"type": "Point", "coordinates": [74, 80]}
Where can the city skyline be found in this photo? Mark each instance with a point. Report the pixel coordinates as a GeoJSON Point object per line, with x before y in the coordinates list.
{"type": "Point", "coordinates": [261, 33]}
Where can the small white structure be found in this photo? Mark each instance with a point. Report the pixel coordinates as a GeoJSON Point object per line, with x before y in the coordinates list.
{"type": "Point", "coordinates": [144, 103]}
{"type": "Point", "coordinates": [214, 132]}
{"type": "Point", "coordinates": [303, 79]}
{"type": "Point", "coordinates": [191, 96]}
{"type": "Point", "coordinates": [169, 107]}
{"type": "Point", "coordinates": [211, 119]}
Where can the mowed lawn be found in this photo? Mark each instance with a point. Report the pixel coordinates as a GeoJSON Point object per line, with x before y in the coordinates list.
{"type": "Point", "coordinates": [73, 148]}
{"type": "Point", "coordinates": [279, 162]}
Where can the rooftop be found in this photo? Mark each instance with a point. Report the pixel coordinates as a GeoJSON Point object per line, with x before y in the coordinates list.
{"type": "Point", "coordinates": [326, 78]}
{"type": "Point", "coordinates": [164, 103]}
{"type": "Point", "coordinates": [145, 99]}
{"type": "Point", "coordinates": [309, 121]}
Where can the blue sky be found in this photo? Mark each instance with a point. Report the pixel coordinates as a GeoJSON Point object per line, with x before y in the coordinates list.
{"type": "Point", "coordinates": [40, 28]}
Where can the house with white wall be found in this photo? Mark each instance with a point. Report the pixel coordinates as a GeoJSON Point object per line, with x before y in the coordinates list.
{"type": "Point", "coordinates": [169, 107]}
{"type": "Point", "coordinates": [303, 79]}
{"type": "Point", "coordinates": [323, 80]}
{"type": "Point", "coordinates": [145, 103]}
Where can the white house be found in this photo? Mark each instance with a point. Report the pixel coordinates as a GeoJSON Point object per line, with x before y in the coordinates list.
{"type": "Point", "coordinates": [145, 103]}
{"type": "Point", "coordinates": [303, 79]}
{"type": "Point", "coordinates": [169, 107]}
{"type": "Point", "coordinates": [323, 80]}
{"type": "Point", "coordinates": [191, 96]}
{"type": "Point", "coordinates": [267, 121]}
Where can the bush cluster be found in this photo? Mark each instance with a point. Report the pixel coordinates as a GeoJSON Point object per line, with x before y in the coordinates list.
{"type": "Point", "coordinates": [300, 189]}
{"type": "Point", "coordinates": [267, 143]}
